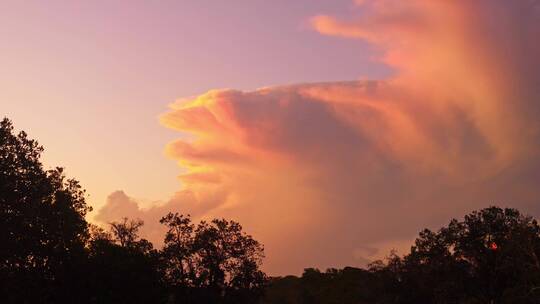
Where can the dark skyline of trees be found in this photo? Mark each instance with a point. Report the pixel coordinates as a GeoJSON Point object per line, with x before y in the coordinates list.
{"type": "Point", "coordinates": [49, 253]}
{"type": "Point", "coordinates": [489, 257]}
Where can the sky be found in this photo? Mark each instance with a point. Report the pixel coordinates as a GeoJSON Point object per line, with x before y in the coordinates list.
{"type": "Point", "coordinates": [90, 78]}
{"type": "Point", "coordinates": [333, 131]}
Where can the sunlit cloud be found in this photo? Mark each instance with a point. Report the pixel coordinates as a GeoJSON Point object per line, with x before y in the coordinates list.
{"type": "Point", "coordinates": [325, 174]}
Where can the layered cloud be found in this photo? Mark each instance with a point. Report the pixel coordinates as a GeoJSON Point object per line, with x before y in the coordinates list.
{"type": "Point", "coordinates": [333, 174]}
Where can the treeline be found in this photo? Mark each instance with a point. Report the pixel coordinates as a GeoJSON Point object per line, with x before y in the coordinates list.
{"type": "Point", "coordinates": [490, 257]}
{"type": "Point", "coordinates": [49, 253]}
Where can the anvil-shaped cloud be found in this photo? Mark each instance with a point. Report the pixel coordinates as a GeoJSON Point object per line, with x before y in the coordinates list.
{"type": "Point", "coordinates": [325, 174]}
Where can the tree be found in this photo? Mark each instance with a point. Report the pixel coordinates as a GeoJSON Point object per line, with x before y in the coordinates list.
{"type": "Point", "coordinates": [214, 262]}
{"type": "Point", "coordinates": [178, 253]}
{"type": "Point", "coordinates": [50, 254]}
{"type": "Point", "coordinates": [335, 286]}
{"type": "Point", "coordinates": [42, 223]}
{"type": "Point", "coordinates": [122, 268]}
{"type": "Point", "coordinates": [500, 249]}
{"type": "Point", "coordinates": [489, 257]}
{"type": "Point", "coordinates": [125, 233]}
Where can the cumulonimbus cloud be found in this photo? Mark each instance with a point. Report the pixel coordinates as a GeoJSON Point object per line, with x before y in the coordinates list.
{"type": "Point", "coordinates": [324, 174]}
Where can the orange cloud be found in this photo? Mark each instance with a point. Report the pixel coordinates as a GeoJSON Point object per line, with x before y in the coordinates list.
{"type": "Point", "coordinates": [323, 173]}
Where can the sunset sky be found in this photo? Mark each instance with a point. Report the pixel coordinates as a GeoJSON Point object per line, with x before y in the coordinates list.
{"type": "Point", "coordinates": [332, 130]}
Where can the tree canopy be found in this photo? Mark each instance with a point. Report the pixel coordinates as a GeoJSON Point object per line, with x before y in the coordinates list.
{"type": "Point", "coordinates": [214, 258]}
{"type": "Point", "coordinates": [42, 219]}
{"type": "Point", "coordinates": [49, 253]}
{"type": "Point", "coordinates": [489, 257]}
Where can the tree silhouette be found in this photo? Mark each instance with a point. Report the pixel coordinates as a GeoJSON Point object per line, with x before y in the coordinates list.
{"type": "Point", "coordinates": [122, 267]}
{"type": "Point", "coordinates": [42, 223]}
{"type": "Point", "coordinates": [125, 233]}
{"type": "Point", "coordinates": [490, 257]}
{"type": "Point", "coordinates": [499, 248]}
{"type": "Point", "coordinates": [215, 260]}
{"type": "Point", "coordinates": [178, 254]}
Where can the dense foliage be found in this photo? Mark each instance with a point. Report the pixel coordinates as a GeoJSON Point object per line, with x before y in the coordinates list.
{"type": "Point", "coordinates": [492, 256]}
{"type": "Point", "coordinates": [215, 260]}
{"type": "Point", "coordinates": [50, 254]}
{"type": "Point", "coordinates": [43, 230]}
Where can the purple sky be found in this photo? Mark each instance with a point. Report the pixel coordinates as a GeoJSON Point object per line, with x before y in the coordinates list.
{"type": "Point", "coordinates": [89, 78]}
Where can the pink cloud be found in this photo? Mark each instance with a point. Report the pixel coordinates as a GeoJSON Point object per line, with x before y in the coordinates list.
{"type": "Point", "coordinates": [323, 173]}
